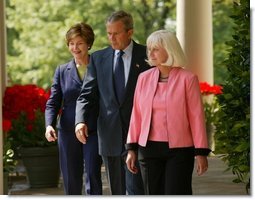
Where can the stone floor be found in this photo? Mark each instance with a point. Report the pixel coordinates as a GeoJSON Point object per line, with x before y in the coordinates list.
{"type": "Point", "coordinates": [216, 181]}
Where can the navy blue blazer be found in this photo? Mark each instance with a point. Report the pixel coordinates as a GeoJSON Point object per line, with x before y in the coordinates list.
{"type": "Point", "coordinates": [65, 90]}
{"type": "Point", "coordinates": [98, 86]}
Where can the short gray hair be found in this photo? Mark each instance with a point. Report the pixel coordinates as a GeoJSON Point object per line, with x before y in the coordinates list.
{"type": "Point", "coordinates": [168, 41]}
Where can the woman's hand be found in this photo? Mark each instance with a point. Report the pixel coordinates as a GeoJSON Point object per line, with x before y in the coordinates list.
{"type": "Point", "coordinates": [202, 164]}
{"type": "Point", "coordinates": [50, 134]}
{"type": "Point", "coordinates": [130, 161]}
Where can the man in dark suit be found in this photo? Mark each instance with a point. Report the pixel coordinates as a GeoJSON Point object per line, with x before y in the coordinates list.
{"type": "Point", "coordinates": [114, 114]}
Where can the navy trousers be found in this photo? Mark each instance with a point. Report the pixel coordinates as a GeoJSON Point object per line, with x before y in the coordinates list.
{"type": "Point", "coordinates": [74, 156]}
{"type": "Point", "coordinates": [121, 180]}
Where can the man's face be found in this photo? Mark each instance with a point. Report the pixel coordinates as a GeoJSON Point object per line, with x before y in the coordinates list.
{"type": "Point", "coordinates": [118, 36]}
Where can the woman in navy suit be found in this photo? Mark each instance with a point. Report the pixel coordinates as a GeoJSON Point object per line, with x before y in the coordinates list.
{"type": "Point", "coordinates": [65, 90]}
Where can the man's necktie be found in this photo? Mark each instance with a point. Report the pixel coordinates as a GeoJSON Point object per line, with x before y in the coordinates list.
{"type": "Point", "coordinates": [119, 77]}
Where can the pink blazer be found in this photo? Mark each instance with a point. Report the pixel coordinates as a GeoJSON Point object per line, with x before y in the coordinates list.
{"type": "Point", "coordinates": [185, 114]}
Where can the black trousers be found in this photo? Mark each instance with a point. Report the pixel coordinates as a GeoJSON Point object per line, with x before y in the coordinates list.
{"type": "Point", "coordinates": [166, 171]}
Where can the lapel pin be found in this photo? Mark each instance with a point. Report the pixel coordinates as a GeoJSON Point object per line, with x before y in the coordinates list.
{"type": "Point", "coordinates": [137, 65]}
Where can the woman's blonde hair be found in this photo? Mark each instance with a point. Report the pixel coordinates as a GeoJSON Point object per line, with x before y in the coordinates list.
{"type": "Point", "coordinates": [168, 41]}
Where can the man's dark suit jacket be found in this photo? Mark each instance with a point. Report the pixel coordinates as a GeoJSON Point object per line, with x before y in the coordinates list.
{"type": "Point", "coordinates": [98, 85]}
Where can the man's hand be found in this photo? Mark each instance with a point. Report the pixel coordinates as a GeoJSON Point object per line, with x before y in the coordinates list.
{"type": "Point", "coordinates": [81, 131]}
{"type": "Point", "coordinates": [50, 134]}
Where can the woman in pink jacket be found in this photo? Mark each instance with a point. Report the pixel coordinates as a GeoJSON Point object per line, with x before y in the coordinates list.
{"type": "Point", "coordinates": [167, 126]}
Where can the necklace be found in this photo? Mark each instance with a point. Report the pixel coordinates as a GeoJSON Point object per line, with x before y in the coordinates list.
{"type": "Point", "coordinates": [163, 79]}
{"type": "Point", "coordinates": [78, 65]}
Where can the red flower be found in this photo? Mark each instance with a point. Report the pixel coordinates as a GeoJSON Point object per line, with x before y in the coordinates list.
{"type": "Point", "coordinates": [23, 114]}
{"type": "Point", "coordinates": [29, 127]}
{"type": "Point", "coordinates": [23, 98]}
{"type": "Point", "coordinates": [7, 124]}
{"type": "Point", "coordinates": [207, 89]}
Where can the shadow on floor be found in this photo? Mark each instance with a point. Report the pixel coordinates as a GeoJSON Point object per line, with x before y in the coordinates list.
{"type": "Point", "coordinates": [216, 181]}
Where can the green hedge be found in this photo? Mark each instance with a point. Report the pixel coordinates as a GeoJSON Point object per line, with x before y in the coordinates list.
{"type": "Point", "coordinates": [233, 128]}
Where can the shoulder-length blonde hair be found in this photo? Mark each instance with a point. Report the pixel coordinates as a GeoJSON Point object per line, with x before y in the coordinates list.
{"type": "Point", "coordinates": [168, 41]}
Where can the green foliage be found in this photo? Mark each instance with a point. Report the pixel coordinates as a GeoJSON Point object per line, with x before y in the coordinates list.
{"type": "Point", "coordinates": [39, 43]}
{"type": "Point", "coordinates": [9, 162]}
{"type": "Point", "coordinates": [36, 31]}
{"type": "Point", "coordinates": [233, 128]}
{"type": "Point", "coordinates": [222, 31]}
{"type": "Point", "coordinates": [211, 111]}
{"type": "Point", "coordinates": [19, 136]}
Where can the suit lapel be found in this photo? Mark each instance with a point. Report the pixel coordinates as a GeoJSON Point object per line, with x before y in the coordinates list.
{"type": "Point", "coordinates": [133, 73]}
{"type": "Point", "coordinates": [73, 72]}
{"type": "Point", "coordinates": [107, 67]}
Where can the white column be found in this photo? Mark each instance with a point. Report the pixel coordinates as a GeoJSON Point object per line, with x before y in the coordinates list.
{"type": "Point", "coordinates": [2, 81]}
{"type": "Point", "coordinates": [194, 30]}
